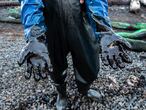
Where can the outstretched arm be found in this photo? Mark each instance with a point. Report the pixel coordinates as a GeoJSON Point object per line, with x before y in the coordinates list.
{"type": "Point", "coordinates": [112, 46]}
{"type": "Point", "coordinates": [98, 8]}
{"type": "Point", "coordinates": [35, 52]}
{"type": "Point", "coordinates": [32, 15]}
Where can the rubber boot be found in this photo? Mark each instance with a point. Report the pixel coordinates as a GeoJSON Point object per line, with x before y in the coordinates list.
{"type": "Point", "coordinates": [95, 95]}
{"type": "Point", "coordinates": [134, 6]}
{"type": "Point", "coordinates": [90, 93]}
{"type": "Point", "coordinates": [61, 102]}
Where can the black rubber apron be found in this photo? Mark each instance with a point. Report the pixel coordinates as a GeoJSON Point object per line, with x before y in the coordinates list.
{"type": "Point", "coordinates": [68, 32]}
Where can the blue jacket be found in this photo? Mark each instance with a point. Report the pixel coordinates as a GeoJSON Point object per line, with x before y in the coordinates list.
{"type": "Point", "coordinates": [32, 14]}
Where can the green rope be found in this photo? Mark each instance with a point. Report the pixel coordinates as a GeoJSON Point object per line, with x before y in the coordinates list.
{"type": "Point", "coordinates": [128, 26]}
{"type": "Point", "coordinates": [139, 34]}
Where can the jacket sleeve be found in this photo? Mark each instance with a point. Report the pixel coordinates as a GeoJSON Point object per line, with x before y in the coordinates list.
{"type": "Point", "coordinates": [32, 15]}
{"type": "Point", "coordinates": [98, 8]}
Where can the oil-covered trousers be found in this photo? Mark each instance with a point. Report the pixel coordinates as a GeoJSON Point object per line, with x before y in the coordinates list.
{"type": "Point", "coordinates": [67, 32]}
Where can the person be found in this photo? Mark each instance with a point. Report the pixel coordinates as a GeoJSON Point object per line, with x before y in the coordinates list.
{"type": "Point", "coordinates": [53, 28]}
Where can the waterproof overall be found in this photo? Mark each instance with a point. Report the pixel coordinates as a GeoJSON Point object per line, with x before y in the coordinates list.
{"type": "Point", "coordinates": [66, 31]}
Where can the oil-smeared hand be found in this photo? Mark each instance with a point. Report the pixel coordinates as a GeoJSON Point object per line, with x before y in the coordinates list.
{"type": "Point", "coordinates": [36, 54]}
{"type": "Point", "coordinates": [114, 50]}
{"type": "Point", "coordinates": [113, 47]}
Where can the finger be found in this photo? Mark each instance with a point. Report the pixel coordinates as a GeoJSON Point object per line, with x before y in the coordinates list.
{"type": "Point", "coordinates": [40, 66]}
{"type": "Point", "coordinates": [119, 62]}
{"type": "Point", "coordinates": [24, 54]}
{"type": "Point", "coordinates": [50, 69]}
{"type": "Point", "coordinates": [126, 58]}
{"type": "Point", "coordinates": [28, 74]}
{"type": "Point", "coordinates": [43, 70]}
{"type": "Point", "coordinates": [44, 73]}
{"type": "Point", "coordinates": [46, 58]}
{"type": "Point", "coordinates": [36, 73]}
{"type": "Point", "coordinates": [104, 59]}
{"type": "Point", "coordinates": [112, 62]}
{"type": "Point", "coordinates": [124, 43]}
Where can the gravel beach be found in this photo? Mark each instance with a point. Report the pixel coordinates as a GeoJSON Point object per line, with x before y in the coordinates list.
{"type": "Point", "coordinates": [17, 93]}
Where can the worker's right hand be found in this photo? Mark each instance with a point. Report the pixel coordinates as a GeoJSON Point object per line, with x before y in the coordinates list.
{"type": "Point", "coordinates": [36, 55]}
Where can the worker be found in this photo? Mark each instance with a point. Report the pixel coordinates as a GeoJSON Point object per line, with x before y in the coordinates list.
{"type": "Point", "coordinates": [54, 28]}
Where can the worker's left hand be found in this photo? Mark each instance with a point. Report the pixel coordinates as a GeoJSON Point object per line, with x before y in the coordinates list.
{"type": "Point", "coordinates": [113, 47]}
{"type": "Point", "coordinates": [114, 50]}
